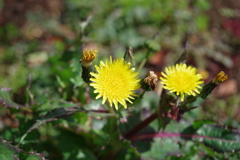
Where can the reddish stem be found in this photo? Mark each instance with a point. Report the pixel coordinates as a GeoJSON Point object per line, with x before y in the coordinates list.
{"type": "Point", "coordinates": [140, 126]}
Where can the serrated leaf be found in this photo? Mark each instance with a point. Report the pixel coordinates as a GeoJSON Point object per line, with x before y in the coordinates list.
{"type": "Point", "coordinates": [35, 156]}
{"type": "Point", "coordinates": [195, 126]}
{"type": "Point", "coordinates": [9, 152]}
{"type": "Point", "coordinates": [222, 140]}
{"type": "Point", "coordinates": [52, 104]}
{"type": "Point", "coordinates": [131, 152]}
{"type": "Point", "coordinates": [160, 148]}
{"type": "Point", "coordinates": [6, 100]}
{"type": "Point", "coordinates": [79, 146]}
{"type": "Point", "coordinates": [200, 123]}
{"type": "Point", "coordinates": [58, 113]}
{"type": "Point", "coordinates": [119, 148]}
{"type": "Point", "coordinates": [215, 137]}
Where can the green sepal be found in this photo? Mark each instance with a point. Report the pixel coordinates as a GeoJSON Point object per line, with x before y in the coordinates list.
{"type": "Point", "coordinates": [86, 73]}
{"type": "Point", "coordinates": [207, 89]}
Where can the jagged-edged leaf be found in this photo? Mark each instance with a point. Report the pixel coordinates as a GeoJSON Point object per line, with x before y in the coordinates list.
{"type": "Point", "coordinates": [37, 124]}
{"type": "Point", "coordinates": [6, 100]}
{"type": "Point", "coordinates": [9, 152]}
{"type": "Point", "coordinates": [65, 112]}
{"type": "Point", "coordinates": [218, 138]}
{"type": "Point", "coordinates": [130, 152]}
{"type": "Point", "coordinates": [58, 113]}
{"type": "Point", "coordinates": [50, 105]}
{"type": "Point", "coordinates": [222, 140]}
{"type": "Point", "coordinates": [31, 156]}
{"type": "Point", "coordinates": [82, 144]}
{"type": "Point", "coordinates": [160, 148]}
{"type": "Point", "coordinates": [119, 147]}
{"type": "Point", "coordinates": [195, 126]}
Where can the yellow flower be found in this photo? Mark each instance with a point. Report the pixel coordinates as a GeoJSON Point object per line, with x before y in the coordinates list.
{"type": "Point", "coordinates": [181, 79]}
{"type": "Point", "coordinates": [115, 81]}
{"type": "Point", "coordinates": [88, 57]}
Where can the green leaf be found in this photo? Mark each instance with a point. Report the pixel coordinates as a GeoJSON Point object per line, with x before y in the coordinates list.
{"type": "Point", "coordinates": [82, 144]}
{"type": "Point", "coordinates": [118, 148]}
{"type": "Point", "coordinates": [200, 123]}
{"type": "Point", "coordinates": [9, 152]}
{"type": "Point", "coordinates": [154, 43]}
{"type": "Point", "coordinates": [161, 148]}
{"type": "Point", "coordinates": [33, 157]}
{"type": "Point", "coordinates": [195, 126]}
{"type": "Point", "coordinates": [58, 113]}
{"type": "Point", "coordinates": [50, 105]}
{"type": "Point", "coordinates": [6, 100]}
{"type": "Point", "coordinates": [222, 140]}
{"type": "Point", "coordinates": [128, 152]}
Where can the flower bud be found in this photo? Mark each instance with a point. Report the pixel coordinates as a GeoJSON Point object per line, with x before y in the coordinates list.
{"type": "Point", "coordinates": [221, 77]}
{"type": "Point", "coordinates": [88, 57]}
{"type": "Point", "coordinates": [207, 89]}
{"type": "Point", "coordinates": [86, 61]}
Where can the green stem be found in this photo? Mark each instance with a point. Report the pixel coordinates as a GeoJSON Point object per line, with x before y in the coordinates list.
{"type": "Point", "coordinates": [110, 109]}
{"type": "Point", "coordinates": [111, 120]}
{"type": "Point", "coordinates": [143, 61]}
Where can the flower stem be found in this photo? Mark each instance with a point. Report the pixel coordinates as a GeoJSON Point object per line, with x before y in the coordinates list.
{"type": "Point", "coordinates": [110, 109]}
{"type": "Point", "coordinates": [151, 118]}
{"type": "Point", "coordinates": [140, 126]}
{"type": "Point", "coordinates": [144, 61]}
{"type": "Point", "coordinates": [112, 120]}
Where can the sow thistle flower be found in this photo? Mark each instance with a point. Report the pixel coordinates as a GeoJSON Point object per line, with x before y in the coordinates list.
{"type": "Point", "coordinates": [181, 79]}
{"type": "Point", "coordinates": [115, 81]}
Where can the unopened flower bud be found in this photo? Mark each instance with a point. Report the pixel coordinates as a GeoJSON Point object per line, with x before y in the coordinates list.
{"type": "Point", "coordinates": [86, 61]}
{"type": "Point", "coordinates": [221, 77]}
{"type": "Point", "coordinates": [88, 57]}
{"type": "Point", "coordinates": [207, 89]}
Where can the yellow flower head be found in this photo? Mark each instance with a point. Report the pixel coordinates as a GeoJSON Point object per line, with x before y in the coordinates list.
{"type": "Point", "coordinates": [88, 57]}
{"type": "Point", "coordinates": [181, 79]}
{"type": "Point", "coordinates": [115, 81]}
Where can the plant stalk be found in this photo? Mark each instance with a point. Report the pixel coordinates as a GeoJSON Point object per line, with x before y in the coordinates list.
{"type": "Point", "coordinates": [140, 126]}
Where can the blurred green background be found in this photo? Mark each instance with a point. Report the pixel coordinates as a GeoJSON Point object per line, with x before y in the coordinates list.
{"type": "Point", "coordinates": [41, 43]}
